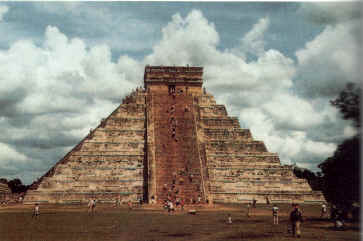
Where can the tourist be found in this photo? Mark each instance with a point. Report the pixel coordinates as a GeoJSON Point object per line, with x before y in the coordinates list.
{"type": "Point", "coordinates": [117, 202]}
{"type": "Point", "coordinates": [248, 210]}
{"type": "Point", "coordinates": [275, 214]}
{"type": "Point", "coordinates": [181, 181]}
{"type": "Point", "coordinates": [191, 177]}
{"type": "Point", "coordinates": [199, 199]}
{"type": "Point", "coordinates": [91, 206]}
{"type": "Point", "coordinates": [296, 220]}
{"type": "Point", "coordinates": [166, 204]}
{"type": "Point", "coordinates": [152, 200]}
{"type": "Point", "coordinates": [229, 219]}
{"type": "Point", "coordinates": [36, 211]}
{"type": "Point", "coordinates": [323, 210]}
{"type": "Point", "coordinates": [339, 222]}
{"type": "Point", "coordinates": [182, 204]}
{"type": "Point", "coordinates": [129, 204]}
{"type": "Point", "coordinates": [170, 207]}
{"type": "Point", "coordinates": [140, 202]}
{"type": "Point", "coordinates": [254, 201]}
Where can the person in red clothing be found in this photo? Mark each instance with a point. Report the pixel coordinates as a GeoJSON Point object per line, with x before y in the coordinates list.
{"type": "Point", "coordinates": [182, 204]}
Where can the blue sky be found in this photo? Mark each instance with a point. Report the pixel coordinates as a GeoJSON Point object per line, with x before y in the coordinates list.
{"type": "Point", "coordinates": [64, 66]}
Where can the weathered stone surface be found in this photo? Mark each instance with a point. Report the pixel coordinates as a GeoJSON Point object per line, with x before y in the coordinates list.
{"type": "Point", "coordinates": [5, 192]}
{"type": "Point", "coordinates": [170, 141]}
{"type": "Point", "coordinates": [107, 164]}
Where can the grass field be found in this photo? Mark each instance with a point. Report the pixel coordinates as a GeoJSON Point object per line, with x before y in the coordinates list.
{"type": "Point", "coordinates": [71, 223]}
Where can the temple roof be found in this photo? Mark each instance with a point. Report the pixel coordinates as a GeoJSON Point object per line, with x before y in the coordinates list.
{"type": "Point", "coordinates": [173, 74]}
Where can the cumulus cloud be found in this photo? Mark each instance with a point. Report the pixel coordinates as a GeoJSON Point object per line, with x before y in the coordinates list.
{"type": "Point", "coordinates": [55, 92]}
{"type": "Point", "coordinates": [330, 60]}
{"type": "Point", "coordinates": [3, 10]}
{"type": "Point", "coordinates": [253, 42]}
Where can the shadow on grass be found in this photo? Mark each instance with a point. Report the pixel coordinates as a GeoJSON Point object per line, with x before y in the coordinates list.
{"type": "Point", "coordinates": [178, 235]}
{"type": "Point", "coordinates": [347, 228]}
{"type": "Point", "coordinates": [317, 220]}
{"type": "Point", "coordinates": [248, 235]}
{"type": "Point", "coordinates": [249, 221]}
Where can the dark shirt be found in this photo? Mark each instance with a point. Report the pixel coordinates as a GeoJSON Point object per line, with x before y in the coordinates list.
{"type": "Point", "coordinates": [295, 216]}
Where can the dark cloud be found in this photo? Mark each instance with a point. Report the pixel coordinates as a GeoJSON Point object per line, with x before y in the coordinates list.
{"type": "Point", "coordinates": [331, 12]}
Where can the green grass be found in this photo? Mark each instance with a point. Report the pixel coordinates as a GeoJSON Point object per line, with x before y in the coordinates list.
{"type": "Point", "coordinates": [71, 223]}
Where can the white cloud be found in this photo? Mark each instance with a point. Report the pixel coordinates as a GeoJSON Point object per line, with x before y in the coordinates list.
{"type": "Point", "coordinates": [3, 10]}
{"type": "Point", "coordinates": [331, 60]}
{"type": "Point", "coordinates": [8, 154]}
{"type": "Point", "coordinates": [253, 42]}
{"type": "Point", "coordinates": [55, 92]}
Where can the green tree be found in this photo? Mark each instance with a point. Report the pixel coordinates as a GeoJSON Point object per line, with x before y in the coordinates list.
{"type": "Point", "coordinates": [348, 103]}
{"type": "Point", "coordinates": [17, 186]}
{"type": "Point", "coordinates": [3, 180]}
{"type": "Point", "coordinates": [315, 180]}
{"type": "Point", "coordinates": [341, 172]}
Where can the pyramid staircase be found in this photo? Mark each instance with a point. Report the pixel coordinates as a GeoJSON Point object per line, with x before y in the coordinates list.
{"type": "Point", "coordinates": [178, 167]}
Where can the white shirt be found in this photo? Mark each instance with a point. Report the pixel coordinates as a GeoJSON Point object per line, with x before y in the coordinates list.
{"type": "Point", "coordinates": [275, 210]}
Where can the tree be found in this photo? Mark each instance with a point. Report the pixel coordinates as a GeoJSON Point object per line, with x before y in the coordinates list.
{"type": "Point", "coordinates": [348, 103]}
{"type": "Point", "coordinates": [341, 172]}
{"type": "Point", "coordinates": [315, 180]}
{"type": "Point", "coordinates": [3, 180]}
{"type": "Point", "coordinates": [17, 186]}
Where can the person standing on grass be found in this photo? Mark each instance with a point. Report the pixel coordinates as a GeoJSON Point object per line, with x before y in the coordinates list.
{"type": "Point", "coordinates": [248, 210]}
{"type": "Point", "coordinates": [254, 201]}
{"type": "Point", "coordinates": [229, 219]}
{"type": "Point", "coordinates": [182, 204]}
{"type": "Point", "coordinates": [170, 207]}
{"type": "Point", "coordinates": [296, 220]}
{"type": "Point", "coordinates": [323, 210]}
{"type": "Point", "coordinates": [90, 206]}
{"type": "Point", "coordinates": [36, 211]}
{"type": "Point", "coordinates": [275, 214]}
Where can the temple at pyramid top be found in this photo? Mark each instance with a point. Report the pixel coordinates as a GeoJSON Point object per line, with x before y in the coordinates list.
{"type": "Point", "coordinates": [189, 77]}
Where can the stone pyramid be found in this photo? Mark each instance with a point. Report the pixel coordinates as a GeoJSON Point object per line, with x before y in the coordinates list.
{"type": "Point", "coordinates": [170, 140]}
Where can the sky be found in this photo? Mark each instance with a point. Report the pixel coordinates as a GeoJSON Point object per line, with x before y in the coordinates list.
{"type": "Point", "coordinates": [65, 66]}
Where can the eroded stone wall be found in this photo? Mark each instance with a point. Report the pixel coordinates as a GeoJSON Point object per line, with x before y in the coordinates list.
{"type": "Point", "coordinates": [240, 169]}
{"type": "Point", "coordinates": [106, 165]}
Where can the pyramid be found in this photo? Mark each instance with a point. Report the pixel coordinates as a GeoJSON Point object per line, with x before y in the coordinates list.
{"type": "Point", "coordinates": [170, 139]}
{"type": "Point", "coordinates": [5, 192]}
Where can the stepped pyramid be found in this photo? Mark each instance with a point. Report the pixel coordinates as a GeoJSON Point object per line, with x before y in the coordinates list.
{"type": "Point", "coordinates": [170, 140]}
